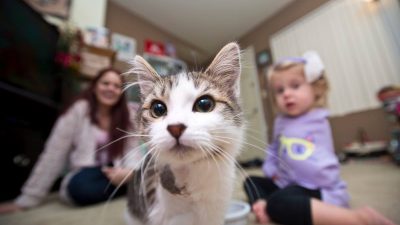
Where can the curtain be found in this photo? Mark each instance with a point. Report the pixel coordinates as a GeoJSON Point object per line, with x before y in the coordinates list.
{"type": "Point", "coordinates": [358, 41]}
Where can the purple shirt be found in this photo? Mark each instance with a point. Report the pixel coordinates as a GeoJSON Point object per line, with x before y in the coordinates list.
{"type": "Point", "coordinates": [302, 153]}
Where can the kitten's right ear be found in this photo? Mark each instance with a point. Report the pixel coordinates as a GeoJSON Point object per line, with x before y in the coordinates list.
{"type": "Point", "coordinates": [147, 75]}
{"type": "Point", "coordinates": [226, 66]}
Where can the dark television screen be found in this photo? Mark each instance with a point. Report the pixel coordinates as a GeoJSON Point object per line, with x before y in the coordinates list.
{"type": "Point", "coordinates": [27, 48]}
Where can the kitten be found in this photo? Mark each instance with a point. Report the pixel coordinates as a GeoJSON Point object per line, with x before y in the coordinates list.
{"type": "Point", "coordinates": [193, 125]}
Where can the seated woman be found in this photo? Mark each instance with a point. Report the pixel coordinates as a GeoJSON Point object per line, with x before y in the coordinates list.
{"type": "Point", "coordinates": [81, 139]}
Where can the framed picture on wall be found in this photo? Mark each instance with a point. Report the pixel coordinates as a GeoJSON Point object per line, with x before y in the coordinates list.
{"type": "Point", "coordinates": [264, 58]}
{"type": "Point", "coordinates": [124, 46]}
{"type": "Point", "coordinates": [58, 8]}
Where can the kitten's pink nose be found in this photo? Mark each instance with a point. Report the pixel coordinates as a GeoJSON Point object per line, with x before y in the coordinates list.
{"type": "Point", "coordinates": [176, 130]}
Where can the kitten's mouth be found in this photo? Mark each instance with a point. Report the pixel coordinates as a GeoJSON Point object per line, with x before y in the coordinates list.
{"type": "Point", "coordinates": [180, 148]}
{"type": "Point", "coordinates": [184, 152]}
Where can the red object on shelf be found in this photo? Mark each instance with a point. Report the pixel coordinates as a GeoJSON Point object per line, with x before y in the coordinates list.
{"type": "Point", "coordinates": [152, 47]}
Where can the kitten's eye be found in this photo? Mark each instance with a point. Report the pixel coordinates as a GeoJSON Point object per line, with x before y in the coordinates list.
{"type": "Point", "coordinates": [158, 109]}
{"type": "Point", "coordinates": [204, 104]}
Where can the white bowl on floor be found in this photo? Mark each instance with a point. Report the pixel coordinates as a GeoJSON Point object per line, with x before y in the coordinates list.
{"type": "Point", "coordinates": [237, 213]}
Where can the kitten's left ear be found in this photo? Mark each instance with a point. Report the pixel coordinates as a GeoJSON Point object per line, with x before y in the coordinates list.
{"type": "Point", "coordinates": [147, 75]}
{"type": "Point", "coordinates": [226, 66]}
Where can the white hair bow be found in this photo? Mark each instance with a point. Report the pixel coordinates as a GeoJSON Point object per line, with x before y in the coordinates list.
{"type": "Point", "coordinates": [313, 67]}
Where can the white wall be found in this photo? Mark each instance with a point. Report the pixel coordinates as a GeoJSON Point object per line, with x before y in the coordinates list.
{"type": "Point", "coordinates": [88, 13]}
{"type": "Point", "coordinates": [359, 42]}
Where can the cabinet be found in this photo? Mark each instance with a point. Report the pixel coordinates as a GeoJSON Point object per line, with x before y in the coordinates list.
{"type": "Point", "coordinates": [29, 91]}
{"type": "Point", "coordinates": [25, 123]}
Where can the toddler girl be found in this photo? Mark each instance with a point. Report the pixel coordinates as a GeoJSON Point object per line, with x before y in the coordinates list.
{"type": "Point", "coordinates": [302, 183]}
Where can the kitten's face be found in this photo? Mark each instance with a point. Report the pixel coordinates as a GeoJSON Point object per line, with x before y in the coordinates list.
{"type": "Point", "coordinates": [194, 116]}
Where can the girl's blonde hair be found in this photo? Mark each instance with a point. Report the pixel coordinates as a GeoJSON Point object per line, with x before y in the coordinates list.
{"type": "Point", "coordinates": [320, 86]}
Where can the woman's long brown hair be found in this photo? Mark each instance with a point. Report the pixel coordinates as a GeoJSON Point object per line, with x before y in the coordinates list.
{"type": "Point", "coordinates": [119, 113]}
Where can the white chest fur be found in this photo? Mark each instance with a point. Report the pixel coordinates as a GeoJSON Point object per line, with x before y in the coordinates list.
{"type": "Point", "coordinates": [208, 188]}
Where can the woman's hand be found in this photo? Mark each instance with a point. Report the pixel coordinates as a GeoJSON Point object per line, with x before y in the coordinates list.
{"type": "Point", "coordinates": [9, 207]}
{"type": "Point", "coordinates": [117, 175]}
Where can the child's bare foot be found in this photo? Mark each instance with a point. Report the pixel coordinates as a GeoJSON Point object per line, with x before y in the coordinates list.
{"type": "Point", "coordinates": [259, 209]}
{"type": "Point", "coordinates": [370, 216]}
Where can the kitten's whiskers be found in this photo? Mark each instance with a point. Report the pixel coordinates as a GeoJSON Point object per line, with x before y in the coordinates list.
{"type": "Point", "coordinates": [242, 172]}
{"type": "Point", "coordinates": [118, 139]}
{"type": "Point", "coordinates": [281, 162]}
{"type": "Point", "coordinates": [209, 153]}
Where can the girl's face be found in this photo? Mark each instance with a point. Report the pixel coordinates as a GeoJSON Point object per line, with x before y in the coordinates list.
{"type": "Point", "coordinates": [293, 94]}
{"type": "Point", "coordinates": [108, 89]}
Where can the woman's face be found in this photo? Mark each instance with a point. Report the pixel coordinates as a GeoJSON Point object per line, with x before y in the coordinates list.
{"type": "Point", "coordinates": [108, 89]}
